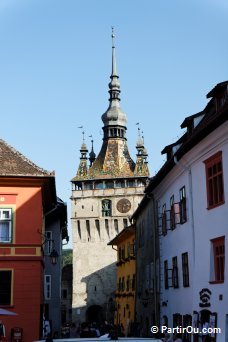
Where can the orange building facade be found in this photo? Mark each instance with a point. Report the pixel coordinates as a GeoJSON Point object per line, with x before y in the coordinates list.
{"type": "Point", "coordinates": [126, 280]}
{"type": "Point", "coordinates": [24, 199]}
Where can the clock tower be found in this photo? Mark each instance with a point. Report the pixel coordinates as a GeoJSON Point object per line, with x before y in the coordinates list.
{"type": "Point", "coordinates": [105, 194]}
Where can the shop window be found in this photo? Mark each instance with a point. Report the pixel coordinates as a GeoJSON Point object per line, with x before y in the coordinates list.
{"type": "Point", "coordinates": [5, 287]}
{"type": "Point", "coordinates": [218, 246]}
{"type": "Point", "coordinates": [177, 320]}
{"type": "Point", "coordinates": [5, 225]}
{"type": "Point", "coordinates": [183, 211]}
{"type": "Point", "coordinates": [187, 322]}
{"type": "Point", "coordinates": [214, 181]}
{"type": "Point", "coordinates": [185, 269]}
{"type": "Point", "coordinates": [175, 273]}
{"type": "Point", "coordinates": [106, 207]}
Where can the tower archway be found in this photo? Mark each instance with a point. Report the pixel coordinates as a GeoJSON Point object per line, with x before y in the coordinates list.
{"type": "Point", "coordinates": [95, 313]}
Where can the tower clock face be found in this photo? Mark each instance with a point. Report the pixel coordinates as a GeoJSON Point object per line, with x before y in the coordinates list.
{"type": "Point", "coordinates": [123, 205]}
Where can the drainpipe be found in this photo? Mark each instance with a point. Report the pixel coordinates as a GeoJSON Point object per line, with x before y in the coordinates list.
{"type": "Point", "coordinates": [157, 318]}
{"type": "Point", "coordinates": [188, 169]}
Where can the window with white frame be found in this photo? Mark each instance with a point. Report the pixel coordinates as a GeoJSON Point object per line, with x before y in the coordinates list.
{"type": "Point", "coordinates": [47, 287]}
{"type": "Point", "coordinates": [5, 225]}
{"type": "Point", "coordinates": [49, 242]}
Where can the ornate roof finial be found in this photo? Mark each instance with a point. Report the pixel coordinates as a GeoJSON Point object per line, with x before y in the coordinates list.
{"type": "Point", "coordinates": [83, 149]}
{"type": "Point", "coordinates": [139, 142]}
{"type": "Point", "coordinates": [114, 116]}
{"type": "Point", "coordinates": [114, 68]}
{"type": "Point", "coordinates": [92, 155]}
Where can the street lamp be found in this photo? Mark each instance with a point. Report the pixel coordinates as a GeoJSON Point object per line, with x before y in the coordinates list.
{"type": "Point", "coordinates": [54, 257]}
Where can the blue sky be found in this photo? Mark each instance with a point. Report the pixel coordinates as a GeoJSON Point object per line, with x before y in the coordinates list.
{"type": "Point", "coordinates": [55, 63]}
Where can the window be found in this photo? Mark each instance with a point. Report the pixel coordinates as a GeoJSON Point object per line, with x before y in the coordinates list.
{"type": "Point", "coordinates": [177, 320]}
{"type": "Point", "coordinates": [79, 230]}
{"type": "Point", "coordinates": [130, 183]}
{"type": "Point", "coordinates": [133, 248]}
{"type": "Point", "coordinates": [123, 252]}
{"type": "Point", "coordinates": [49, 242]}
{"type": "Point", "coordinates": [5, 287]}
{"type": "Point", "coordinates": [120, 184]}
{"type": "Point", "coordinates": [128, 249]}
{"type": "Point", "coordinates": [47, 287]}
{"type": "Point", "coordinates": [97, 224]}
{"type": "Point", "coordinates": [106, 207]}
{"type": "Point", "coordinates": [107, 227]}
{"type": "Point", "coordinates": [123, 284]}
{"type": "Point", "coordinates": [116, 226]}
{"type": "Point", "coordinates": [166, 279]}
{"type": "Point", "coordinates": [175, 273]}
{"type": "Point", "coordinates": [133, 283]}
{"type": "Point", "coordinates": [214, 180]}
{"type": "Point", "coordinates": [128, 283]}
{"type": "Point", "coordinates": [125, 222]}
{"type": "Point", "coordinates": [185, 269]}
{"type": "Point", "coordinates": [88, 186]}
{"type": "Point", "coordinates": [183, 215]}
{"type": "Point", "coordinates": [64, 294]}
{"type": "Point", "coordinates": [119, 253]}
{"type": "Point", "coordinates": [218, 245]}
{"type": "Point", "coordinates": [172, 213]}
{"type": "Point", "coordinates": [164, 221]}
{"type": "Point", "coordinates": [99, 185]}
{"type": "Point", "coordinates": [88, 230]}
{"type": "Point", "coordinates": [119, 285]}
{"type": "Point", "coordinates": [5, 225]}
{"type": "Point", "coordinates": [109, 185]}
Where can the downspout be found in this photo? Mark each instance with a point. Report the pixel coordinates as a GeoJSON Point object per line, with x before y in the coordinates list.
{"type": "Point", "coordinates": [154, 225]}
{"type": "Point", "coordinates": [188, 169]}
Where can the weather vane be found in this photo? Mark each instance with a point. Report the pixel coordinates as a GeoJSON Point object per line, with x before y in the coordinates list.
{"type": "Point", "coordinates": [113, 37]}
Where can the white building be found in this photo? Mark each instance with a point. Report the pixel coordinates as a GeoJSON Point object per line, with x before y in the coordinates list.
{"type": "Point", "coordinates": [190, 196]}
{"type": "Point", "coordinates": [104, 195]}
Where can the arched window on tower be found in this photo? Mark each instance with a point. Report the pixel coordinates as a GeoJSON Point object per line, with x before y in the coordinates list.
{"type": "Point", "coordinates": [106, 207]}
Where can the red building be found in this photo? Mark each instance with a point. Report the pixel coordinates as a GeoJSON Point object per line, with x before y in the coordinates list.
{"type": "Point", "coordinates": [27, 193]}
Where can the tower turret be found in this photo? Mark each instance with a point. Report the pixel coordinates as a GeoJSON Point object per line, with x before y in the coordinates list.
{"type": "Point", "coordinates": [141, 166]}
{"type": "Point", "coordinates": [82, 169]}
{"type": "Point", "coordinates": [92, 155]}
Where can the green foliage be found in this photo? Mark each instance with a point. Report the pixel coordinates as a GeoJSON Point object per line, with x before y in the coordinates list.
{"type": "Point", "coordinates": [67, 257]}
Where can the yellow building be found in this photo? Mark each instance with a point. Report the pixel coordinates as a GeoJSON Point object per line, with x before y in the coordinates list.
{"type": "Point", "coordinates": [126, 279]}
